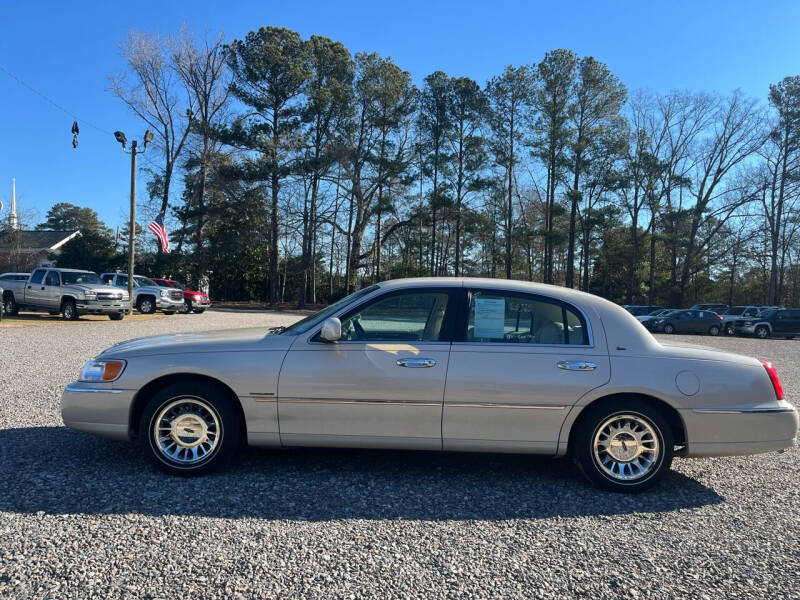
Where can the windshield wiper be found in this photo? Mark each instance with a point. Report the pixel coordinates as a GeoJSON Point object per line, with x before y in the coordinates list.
{"type": "Point", "coordinates": [277, 330]}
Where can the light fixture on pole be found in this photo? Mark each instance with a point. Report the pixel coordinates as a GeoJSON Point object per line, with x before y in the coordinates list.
{"type": "Point", "coordinates": [123, 140]}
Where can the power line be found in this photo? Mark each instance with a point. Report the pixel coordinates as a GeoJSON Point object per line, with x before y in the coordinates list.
{"type": "Point", "coordinates": [53, 102]}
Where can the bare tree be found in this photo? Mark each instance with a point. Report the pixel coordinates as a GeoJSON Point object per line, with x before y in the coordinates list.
{"type": "Point", "coordinates": [153, 92]}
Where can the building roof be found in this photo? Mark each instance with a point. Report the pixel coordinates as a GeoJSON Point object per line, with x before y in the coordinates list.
{"type": "Point", "coordinates": [37, 240]}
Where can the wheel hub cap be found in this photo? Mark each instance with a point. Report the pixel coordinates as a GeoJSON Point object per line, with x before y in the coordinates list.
{"type": "Point", "coordinates": [187, 430]}
{"type": "Point", "coordinates": [626, 447]}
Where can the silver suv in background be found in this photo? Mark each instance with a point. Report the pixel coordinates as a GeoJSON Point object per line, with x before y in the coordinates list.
{"type": "Point", "coordinates": [71, 292]}
{"type": "Point", "coordinates": [148, 296]}
{"type": "Point", "coordinates": [737, 312]}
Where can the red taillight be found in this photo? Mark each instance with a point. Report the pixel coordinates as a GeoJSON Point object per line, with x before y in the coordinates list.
{"type": "Point", "coordinates": [773, 377]}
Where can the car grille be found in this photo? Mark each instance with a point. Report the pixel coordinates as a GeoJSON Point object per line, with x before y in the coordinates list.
{"type": "Point", "coordinates": [738, 323]}
{"type": "Point", "coordinates": [176, 294]}
{"type": "Point", "coordinates": [106, 296]}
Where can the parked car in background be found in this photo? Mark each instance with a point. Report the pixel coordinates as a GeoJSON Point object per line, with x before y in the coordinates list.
{"type": "Point", "coordinates": [661, 312]}
{"type": "Point", "coordinates": [196, 302]}
{"type": "Point", "coordinates": [71, 292]}
{"type": "Point", "coordinates": [14, 277]}
{"type": "Point", "coordinates": [638, 310]}
{"type": "Point", "coordinates": [717, 308]}
{"type": "Point", "coordinates": [475, 365]}
{"type": "Point", "coordinates": [10, 277]}
{"type": "Point", "coordinates": [148, 297]}
{"type": "Point", "coordinates": [687, 321]}
{"type": "Point", "coordinates": [735, 313]}
{"type": "Point", "coordinates": [781, 322]}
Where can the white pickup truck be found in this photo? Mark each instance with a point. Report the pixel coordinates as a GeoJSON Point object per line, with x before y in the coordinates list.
{"type": "Point", "coordinates": [70, 292]}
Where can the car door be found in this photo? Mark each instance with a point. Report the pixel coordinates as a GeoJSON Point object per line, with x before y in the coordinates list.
{"type": "Point", "coordinates": [35, 288]}
{"type": "Point", "coordinates": [381, 385]}
{"type": "Point", "coordinates": [51, 295]}
{"type": "Point", "coordinates": [519, 362]}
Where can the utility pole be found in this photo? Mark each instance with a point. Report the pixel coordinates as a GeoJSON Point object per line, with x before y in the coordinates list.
{"type": "Point", "coordinates": [120, 137]}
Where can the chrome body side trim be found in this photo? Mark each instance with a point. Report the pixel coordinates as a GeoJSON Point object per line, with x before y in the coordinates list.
{"type": "Point", "coordinates": [82, 390]}
{"type": "Point", "coordinates": [498, 405]}
{"type": "Point", "coordinates": [746, 410]}
{"type": "Point", "coordinates": [360, 401]}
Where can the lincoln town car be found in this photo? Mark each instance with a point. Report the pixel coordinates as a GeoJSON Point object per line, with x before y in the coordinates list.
{"type": "Point", "coordinates": [476, 365]}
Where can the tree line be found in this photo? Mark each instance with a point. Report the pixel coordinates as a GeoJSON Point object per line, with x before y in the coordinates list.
{"type": "Point", "coordinates": [293, 171]}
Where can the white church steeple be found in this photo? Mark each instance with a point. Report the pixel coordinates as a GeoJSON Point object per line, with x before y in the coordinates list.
{"type": "Point", "coordinates": [13, 220]}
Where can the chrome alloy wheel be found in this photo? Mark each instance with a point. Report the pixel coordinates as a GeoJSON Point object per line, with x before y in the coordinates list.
{"type": "Point", "coordinates": [626, 447]}
{"type": "Point", "coordinates": [187, 431]}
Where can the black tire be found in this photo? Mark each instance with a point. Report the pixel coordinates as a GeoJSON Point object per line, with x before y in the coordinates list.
{"type": "Point", "coordinates": [116, 316]}
{"type": "Point", "coordinates": [68, 310]}
{"type": "Point", "coordinates": [217, 404]}
{"type": "Point", "coordinates": [729, 330]}
{"type": "Point", "coordinates": [169, 312]}
{"type": "Point", "coordinates": [198, 311]}
{"type": "Point", "coordinates": [669, 329]}
{"type": "Point", "coordinates": [762, 332]}
{"type": "Point", "coordinates": [146, 305]}
{"type": "Point", "coordinates": [10, 305]}
{"type": "Point", "coordinates": [186, 308]}
{"type": "Point", "coordinates": [789, 337]}
{"type": "Point", "coordinates": [589, 428]}
{"type": "Point", "coordinates": [713, 330]}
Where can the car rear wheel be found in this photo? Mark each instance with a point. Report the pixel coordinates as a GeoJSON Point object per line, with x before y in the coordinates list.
{"type": "Point", "coordinates": [624, 445]}
{"type": "Point", "coordinates": [713, 330]}
{"type": "Point", "coordinates": [762, 331]}
{"type": "Point", "coordinates": [10, 306]}
{"type": "Point", "coordinates": [69, 311]}
{"type": "Point", "coordinates": [146, 305]}
{"type": "Point", "coordinates": [669, 328]}
{"type": "Point", "coordinates": [190, 429]}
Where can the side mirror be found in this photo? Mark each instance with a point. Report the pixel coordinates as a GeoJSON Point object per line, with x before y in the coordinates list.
{"type": "Point", "coordinates": [331, 330]}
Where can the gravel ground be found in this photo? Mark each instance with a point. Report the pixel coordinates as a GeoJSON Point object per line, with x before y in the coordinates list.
{"type": "Point", "coordinates": [82, 517]}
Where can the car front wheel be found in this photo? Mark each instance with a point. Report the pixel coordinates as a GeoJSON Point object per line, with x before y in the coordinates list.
{"type": "Point", "coordinates": [713, 330]}
{"type": "Point", "coordinates": [669, 328]}
{"type": "Point", "coordinates": [186, 308]}
{"type": "Point", "coordinates": [146, 306]}
{"type": "Point", "coordinates": [623, 445]}
{"type": "Point", "coordinates": [190, 429]}
{"type": "Point", "coordinates": [762, 331]}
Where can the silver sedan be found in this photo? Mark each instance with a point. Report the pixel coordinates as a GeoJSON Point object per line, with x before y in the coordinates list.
{"type": "Point", "coordinates": [439, 364]}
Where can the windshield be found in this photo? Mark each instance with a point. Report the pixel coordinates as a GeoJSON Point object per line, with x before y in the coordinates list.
{"type": "Point", "coordinates": [736, 310]}
{"type": "Point", "coordinates": [82, 278]}
{"type": "Point", "coordinates": [175, 284]}
{"type": "Point", "coordinates": [144, 281]}
{"type": "Point", "coordinates": [311, 320]}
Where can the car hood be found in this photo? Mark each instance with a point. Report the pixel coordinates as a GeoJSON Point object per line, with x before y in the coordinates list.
{"type": "Point", "coordinates": [230, 340]}
{"type": "Point", "coordinates": [93, 288]}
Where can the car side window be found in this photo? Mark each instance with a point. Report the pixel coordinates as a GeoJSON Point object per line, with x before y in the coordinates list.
{"type": "Point", "coordinates": [37, 276]}
{"type": "Point", "coordinates": [502, 317]}
{"type": "Point", "coordinates": [107, 278]}
{"type": "Point", "coordinates": [401, 317]}
{"type": "Point", "coordinates": [122, 281]}
{"type": "Point", "coordinates": [52, 278]}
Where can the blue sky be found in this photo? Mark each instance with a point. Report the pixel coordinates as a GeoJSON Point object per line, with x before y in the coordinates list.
{"type": "Point", "coordinates": [66, 50]}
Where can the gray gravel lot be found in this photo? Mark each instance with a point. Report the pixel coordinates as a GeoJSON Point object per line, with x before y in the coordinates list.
{"type": "Point", "coordinates": [82, 517]}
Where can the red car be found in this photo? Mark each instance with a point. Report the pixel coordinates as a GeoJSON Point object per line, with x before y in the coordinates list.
{"type": "Point", "coordinates": [196, 302]}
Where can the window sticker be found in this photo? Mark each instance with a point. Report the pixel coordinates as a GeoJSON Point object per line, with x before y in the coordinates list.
{"type": "Point", "coordinates": [490, 316]}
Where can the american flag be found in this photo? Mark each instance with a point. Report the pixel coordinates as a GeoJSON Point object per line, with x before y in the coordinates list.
{"type": "Point", "coordinates": [157, 227]}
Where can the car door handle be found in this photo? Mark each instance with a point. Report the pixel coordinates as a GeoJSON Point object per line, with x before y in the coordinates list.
{"type": "Point", "coordinates": [576, 365]}
{"type": "Point", "coordinates": [416, 363]}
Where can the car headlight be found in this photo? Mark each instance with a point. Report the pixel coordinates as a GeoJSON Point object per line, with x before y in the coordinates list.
{"type": "Point", "coordinates": [102, 370]}
{"type": "Point", "coordinates": [90, 295]}
{"type": "Point", "coordinates": [748, 323]}
{"type": "Point", "coordinates": [658, 321]}
{"type": "Point", "coordinates": [198, 298]}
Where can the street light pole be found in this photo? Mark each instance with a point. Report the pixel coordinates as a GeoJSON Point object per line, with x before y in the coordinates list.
{"type": "Point", "coordinates": [132, 226]}
{"type": "Point", "coordinates": [120, 137]}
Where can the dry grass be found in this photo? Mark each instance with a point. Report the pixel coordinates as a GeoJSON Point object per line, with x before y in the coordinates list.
{"type": "Point", "coordinates": [44, 319]}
